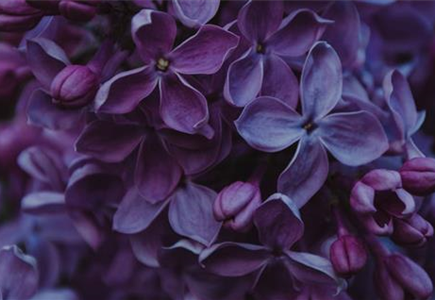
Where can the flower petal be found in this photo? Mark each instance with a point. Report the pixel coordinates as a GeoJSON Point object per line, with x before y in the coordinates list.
{"type": "Point", "coordinates": [400, 101]}
{"type": "Point", "coordinates": [113, 96]}
{"type": "Point", "coordinates": [18, 274]}
{"type": "Point", "coordinates": [182, 107]}
{"type": "Point", "coordinates": [244, 79]}
{"type": "Point", "coordinates": [310, 268]}
{"type": "Point", "coordinates": [321, 83]}
{"type": "Point", "coordinates": [270, 125]}
{"type": "Point", "coordinates": [146, 29]}
{"type": "Point", "coordinates": [146, 245]}
{"type": "Point", "coordinates": [233, 259]}
{"type": "Point", "coordinates": [279, 81]}
{"type": "Point", "coordinates": [46, 59]}
{"type": "Point", "coordinates": [191, 213]}
{"type": "Point", "coordinates": [205, 52]}
{"type": "Point", "coordinates": [194, 13]}
{"type": "Point", "coordinates": [344, 33]}
{"type": "Point", "coordinates": [155, 181]}
{"type": "Point", "coordinates": [257, 20]}
{"type": "Point", "coordinates": [306, 173]}
{"type": "Point", "coordinates": [353, 138]}
{"type": "Point", "coordinates": [43, 203]}
{"type": "Point", "coordinates": [44, 113]}
{"type": "Point", "coordinates": [99, 136]}
{"type": "Point", "coordinates": [297, 33]}
{"type": "Point", "coordinates": [135, 213]}
{"type": "Point", "coordinates": [278, 222]}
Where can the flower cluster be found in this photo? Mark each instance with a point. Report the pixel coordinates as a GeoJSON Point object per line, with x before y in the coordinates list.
{"type": "Point", "coordinates": [217, 150]}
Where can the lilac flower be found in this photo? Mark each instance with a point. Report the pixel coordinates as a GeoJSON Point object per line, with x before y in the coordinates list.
{"type": "Point", "coordinates": [17, 15]}
{"type": "Point", "coordinates": [378, 198]}
{"type": "Point", "coordinates": [182, 107]}
{"type": "Point", "coordinates": [261, 69]}
{"type": "Point", "coordinates": [279, 227]}
{"type": "Point", "coordinates": [348, 255]}
{"type": "Point", "coordinates": [418, 175]}
{"type": "Point", "coordinates": [353, 138]}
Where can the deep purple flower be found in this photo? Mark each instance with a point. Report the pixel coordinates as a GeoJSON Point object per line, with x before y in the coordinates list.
{"type": "Point", "coordinates": [348, 255]}
{"type": "Point", "coordinates": [353, 138]}
{"type": "Point", "coordinates": [261, 69]}
{"type": "Point", "coordinates": [17, 15]}
{"type": "Point", "coordinates": [235, 205]}
{"type": "Point", "coordinates": [418, 176]}
{"type": "Point", "coordinates": [78, 10]}
{"type": "Point", "coordinates": [378, 198]}
{"type": "Point", "coordinates": [414, 231]}
{"type": "Point", "coordinates": [279, 227]}
{"type": "Point", "coordinates": [182, 107]}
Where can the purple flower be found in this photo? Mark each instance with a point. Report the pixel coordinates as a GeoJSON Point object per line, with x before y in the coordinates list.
{"type": "Point", "coordinates": [418, 176]}
{"type": "Point", "coordinates": [348, 255]}
{"type": "Point", "coordinates": [261, 69]}
{"type": "Point", "coordinates": [378, 198]}
{"type": "Point", "coordinates": [353, 138]}
{"type": "Point", "coordinates": [17, 15]}
{"type": "Point", "coordinates": [182, 107]}
{"type": "Point", "coordinates": [414, 231]}
{"type": "Point", "coordinates": [235, 205]}
{"type": "Point", "coordinates": [78, 10]}
{"type": "Point", "coordinates": [279, 228]}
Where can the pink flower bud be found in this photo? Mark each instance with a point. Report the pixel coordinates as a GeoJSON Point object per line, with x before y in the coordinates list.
{"type": "Point", "coordinates": [236, 204]}
{"type": "Point", "coordinates": [348, 255]}
{"type": "Point", "coordinates": [17, 15]}
{"type": "Point", "coordinates": [74, 86]}
{"type": "Point", "coordinates": [418, 176]}
{"type": "Point", "coordinates": [412, 232]}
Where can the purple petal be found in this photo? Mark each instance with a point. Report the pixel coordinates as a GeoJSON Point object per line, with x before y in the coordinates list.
{"type": "Point", "coordinates": [233, 259]}
{"type": "Point", "coordinates": [46, 59]}
{"type": "Point", "coordinates": [113, 96]}
{"type": "Point", "coordinates": [155, 181]}
{"type": "Point", "coordinates": [42, 112]}
{"type": "Point", "coordinates": [321, 82]}
{"type": "Point", "coordinates": [270, 125]}
{"type": "Point", "coordinates": [99, 136]}
{"type": "Point", "coordinates": [18, 274]}
{"type": "Point", "coordinates": [297, 33]}
{"type": "Point", "coordinates": [205, 52]}
{"type": "Point", "coordinates": [135, 213]}
{"type": "Point", "coordinates": [310, 268]}
{"type": "Point", "coordinates": [182, 107]}
{"type": "Point", "coordinates": [244, 79]}
{"type": "Point", "coordinates": [353, 138]}
{"type": "Point", "coordinates": [279, 81]}
{"type": "Point", "coordinates": [278, 222]}
{"type": "Point", "coordinates": [43, 203]}
{"type": "Point", "coordinates": [146, 245]}
{"type": "Point", "coordinates": [344, 33]}
{"type": "Point", "coordinates": [306, 173]}
{"type": "Point", "coordinates": [257, 20]}
{"type": "Point", "coordinates": [191, 213]}
{"type": "Point", "coordinates": [194, 13]}
{"type": "Point", "coordinates": [401, 102]}
{"type": "Point", "coordinates": [146, 29]}
{"type": "Point", "coordinates": [88, 227]}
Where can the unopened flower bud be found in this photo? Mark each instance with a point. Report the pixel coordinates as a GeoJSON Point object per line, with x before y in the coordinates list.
{"type": "Point", "coordinates": [17, 15]}
{"type": "Point", "coordinates": [348, 255]}
{"type": "Point", "coordinates": [74, 86]}
{"type": "Point", "coordinates": [412, 279]}
{"type": "Point", "coordinates": [81, 11]}
{"type": "Point", "coordinates": [418, 176]}
{"type": "Point", "coordinates": [236, 204]}
{"type": "Point", "coordinates": [412, 232]}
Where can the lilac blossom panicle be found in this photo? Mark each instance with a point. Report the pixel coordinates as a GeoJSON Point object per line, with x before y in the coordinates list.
{"type": "Point", "coordinates": [217, 150]}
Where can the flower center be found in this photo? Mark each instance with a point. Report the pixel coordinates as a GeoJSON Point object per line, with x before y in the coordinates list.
{"type": "Point", "coordinates": [162, 64]}
{"type": "Point", "coordinates": [260, 48]}
{"type": "Point", "coordinates": [309, 127]}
